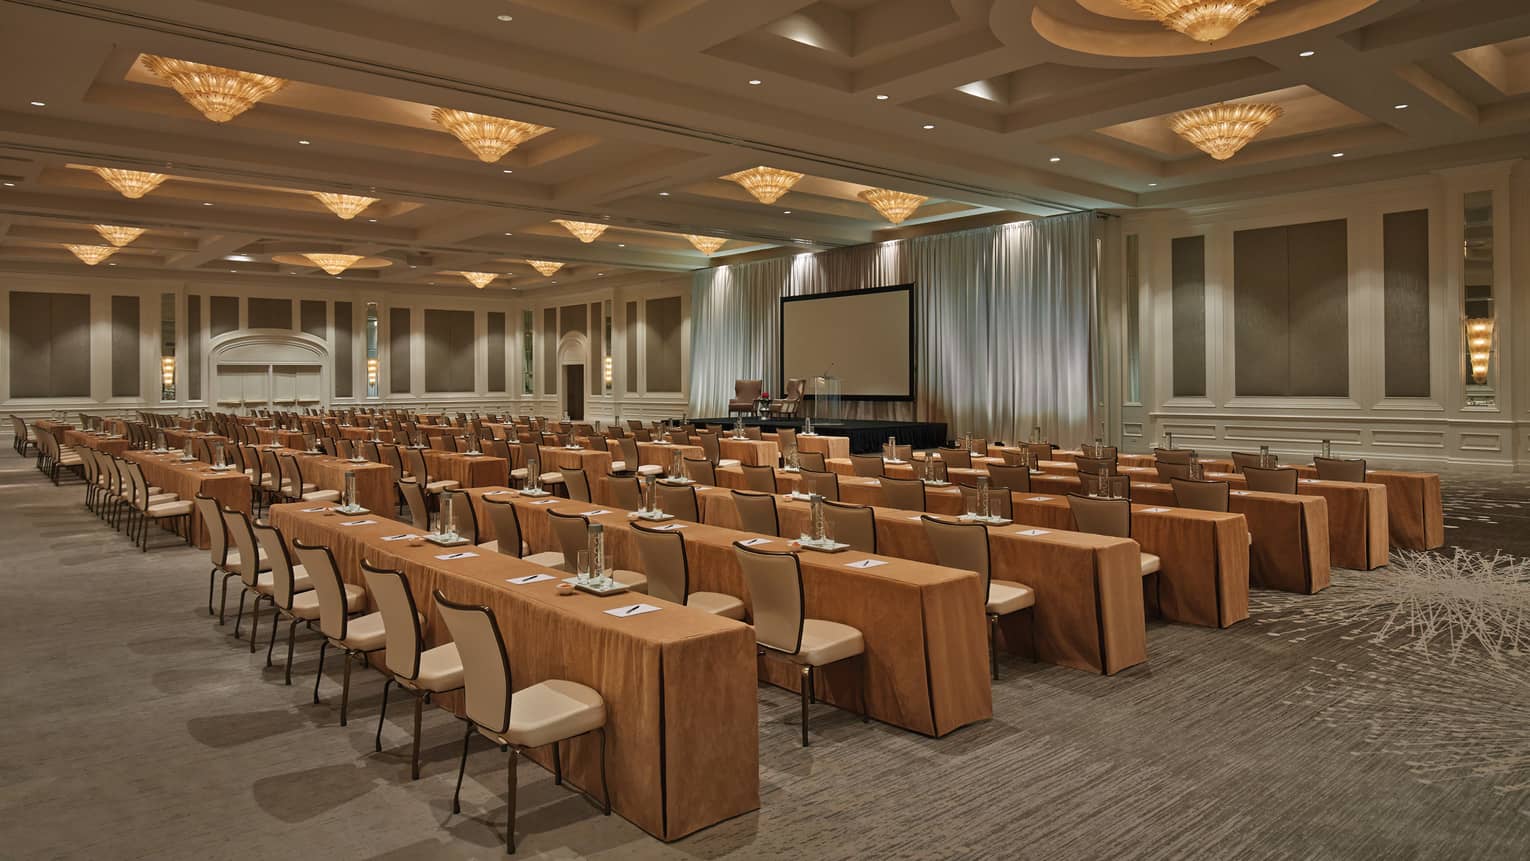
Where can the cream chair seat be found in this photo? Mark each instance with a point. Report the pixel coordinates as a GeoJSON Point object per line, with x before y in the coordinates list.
{"type": "Point", "coordinates": [265, 581]}
{"type": "Point", "coordinates": [549, 559]}
{"type": "Point", "coordinates": [1005, 597]}
{"type": "Point", "coordinates": [305, 605]}
{"type": "Point", "coordinates": [440, 670]}
{"type": "Point", "coordinates": [716, 603]}
{"type": "Point", "coordinates": [824, 642]}
{"type": "Point", "coordinates": [1150, 563]}
{"type": "Point", "coordinates": [550, 711]}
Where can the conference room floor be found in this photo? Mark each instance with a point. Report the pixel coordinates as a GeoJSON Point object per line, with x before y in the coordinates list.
{"type": "Point", "coordinates": [134, 726]}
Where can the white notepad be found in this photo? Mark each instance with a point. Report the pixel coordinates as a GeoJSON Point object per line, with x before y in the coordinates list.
{"type": "Point", "coordinates": [865, 563]}
{"type": "Point", "coordinates": [753, 542]}
{"type": "Point", "coordinates": [631, 610]}
{"type": "Point", "coordinates": [466, 554]}
{"type": "Point", "coordinates": [1033, 532]}
{"type": "Point", "coordinates": [356, 522]}
{"type": "Point", "coordinates": [529, 579]}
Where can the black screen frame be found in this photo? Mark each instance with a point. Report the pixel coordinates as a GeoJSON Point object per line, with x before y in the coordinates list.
{"type": "Point", "coordinates": [913, 328]}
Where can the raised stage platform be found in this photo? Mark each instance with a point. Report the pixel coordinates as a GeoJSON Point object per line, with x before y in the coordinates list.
{"type": "Point", "coordinates": [865, 436]}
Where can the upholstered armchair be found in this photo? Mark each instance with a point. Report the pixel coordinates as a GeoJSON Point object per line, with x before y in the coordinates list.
{"type": "Point", "coordinates": [745, 393]}
{"type": "Point", "coordinates": [790, 405]}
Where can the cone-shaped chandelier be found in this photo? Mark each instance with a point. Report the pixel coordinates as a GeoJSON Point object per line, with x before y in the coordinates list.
{"type": "Point", "coordinates": [895, 206]}
{"type": "Point", "coordinates": [90, 255]}
{"type": "Point", "coordinates": [707, 245]}
{"type": "Point", "coordinates": [488, 137]}
{"type": "Point", "coordinates": [132, 184]}
{"type": "Point", "coordinates": [767, 184]}
{"type": "Point", "coordinates": [1201, 20]}
{"type": "Point", "coordinates": [547, 267]}
{"type": "Point", "coordinates": [586, 231]}
{"type": "Point", "coordinates": [118, 235]}
{"type": "Point", "coordinates": [220, 94]}
{"type": "Point", "coordinates": [1221, 130]}
{"type": "Point", "coordinates": [334, 264]}
{"type": "Point", "coordinates": [347, 206]}
{"type": "Point", "coordinates": [479, 279]}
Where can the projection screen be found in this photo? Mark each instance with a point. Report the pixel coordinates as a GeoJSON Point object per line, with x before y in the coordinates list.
{"type": "Point", "coordinates": [863, 337]}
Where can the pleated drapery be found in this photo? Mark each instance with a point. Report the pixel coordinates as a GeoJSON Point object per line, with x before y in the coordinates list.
{"type": "Point", "coordinates": [1004, 325]}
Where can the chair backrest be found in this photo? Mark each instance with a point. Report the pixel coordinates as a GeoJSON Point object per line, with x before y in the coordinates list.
{"type": "Point", "coordinates": [414, 459]}
{"type": "Point", "coordinates": [1173, 455]}
{"type": "Point", "coordinates": [1101, 516]}
{"type": "Point", "coordinates": [486, 677]}
{"type": "Point", "coordinates": [507, 525]}
{"type": "Point", "coordinates": [1169, 470]}
{"type": "Point", "coordinates": [629, 449]}
{"type": "Point", "coordinates": [757, 512]}
{"type": "Point", "coordinates": [1016, 478]}
{"type": "Point", "coordinates": [324, 574]}
{"type": "Point", "coordinates": [390, 455]}
{"type": "Point", "coordinates": [786, 438]}
{"type": "Point", "coordinates": [1281, 480]}
{"type": "Point", "coordinates": [571, 532]}
{"type": "Point", "coordinates": [759, 478]}
{"type": "Point", "coordinates": [1340, 469]}
{"type": "Point", "coordinates": [1001, 500]}
{"type": "Point", "coordinates": [642, 435]}
{"type": "Point", "coordinates": [747, 390]}
{"type": "Point", "coordinates": [389, 588]}
{"type": "Point", "coordinates": [531, 451]}
{"type": "Point", "coordinates": [292, 477]}
{"type": "Point", "coordinates": [813, 460]}
{"type": "Point", "coordinates": [466, 519]}
{"type": "Point", "coordinates": [700, 470]}
{"type": "Point", "coordinates": [867, 464]}
{"type": "Point", "coordinates": [1242, 460]}
{"type": "Point", "coordinates": [624, 492]}
{"type": "Point", "coordinates": [663, 559]}
{"type": "Point", "coordinates": [679, 500]}
{"type": "Point", "coordinates": [709, 446]}
{"type": "Point", "coordinates": [1096, 465]}
{"type": "Point", "coordinates": [370, 451]}
{"type": "Point", "coordinates": [1104, 452]}
{"type": "Point", "coordinates": [577, 482]}
{"type": "Point", "coordinates": [217, 534]}
{"type": "Point", "coordinates": [956, 458]}
{"type": "Point", "coordinates": [903, 493]}
{"type": "Point", "coordinates": [414, 496]}
{"type": "Point", "coordinates": [283, 578]}
{"type": "Point", "coordinates": [327, 445]}
{"type": "Point", "coordinates": [855, 525]}
{"type": "Point", "coordinates": [776, 602]}
{"type": "Point", "coordinates": [344, 448]}
{"type": "Point", "coordinates": [237, 523]}
{"type": "Point", "coordinates": [963, 546]}
{"type": "Point", "coordinates": [1040, 451]}
{"type": "Point", "coordinates": [1205, 495]}
{"type": "Point", "coordinates": [825, 484]}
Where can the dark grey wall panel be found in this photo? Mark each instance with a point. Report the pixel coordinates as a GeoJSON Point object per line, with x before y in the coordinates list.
{"type": "Point", "coordinates": [550, 351]}
{"type": "Point", "coordinates": [631, 371]}
{"type": "Point", "coordinates": [125, 347]}
{"type": "Point", "coordinates": [664, 344]}
{"type": "Point", "coordinates": [596, 382]}
{"type": "Point", "coordinates": [270, 313]}
{"type": "Point", "coordinates": [311, 317]}
{"type": "Point", "coordinates": [448, 351]}
{"type": "Point", "coordinates": [1405, 254]}
{"type": "Point", "coordinates": [223, 315]}
{"type": "Point", "coordinates": [495, 332]}
{"type": "Point", "coordinates": [574, 319]}
{"type": "Point", "coordinates": [1189, 313]}
{"type": "Point", "coordinates": [194, 347]}
{"type": "Point", "coordinates": [344, 356]}
{"type": "Point", "coordinates": [1261, 312]}
{"type": "Point", "coordinates": [1318, 259]}
{"type": "Point", "coordinates": [398, 351]}
{"type": "Point", "coordinates": [50, 345]}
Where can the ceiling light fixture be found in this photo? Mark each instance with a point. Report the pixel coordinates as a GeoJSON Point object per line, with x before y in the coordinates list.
{"type": "Point", "coordinates": [118, 236]}
{"type": "Point", "coordinates": [90, 255]}
{"type": "Point", "coordinates": [707, 245]}
{"type": "Point", "coordinates": [928, 126]}
{"type": "Point", "coordinates": [39, 104]}
{"type": "Point", "coordinates": [767, 184]}
{"type": "Point", "coordinates": [1402, 107]}
{"type": "Point", "coordinates": [755, 82]}
{"type": "Point", "coordinates": [1152, 185]}
{"type": "Point", "coordinates": [305, 142]}
{"type": "Point", "coordinates": [584, 230]}
{"type": "Point", "coordinates": [1201, 20]}
{"type": "Point", "coordinates": [347, 206]}
{"type": "Point", "coordinates": [664, 194]}
{"type": "Point", "coordinates": [1306, 54]}
{"type": "Point", "coordinates": [334, 264]}
{"type": "Point", "coordinates": [505, 17]}
{"type": "Point", "coordinates": [220, 94]}
{"type": "Point", "coordinates": [1221, 130]}
{"type": "Point", "coordinates": [489, 138]}
{"type": "Point", "coordinates": [132, 184]}
{"type": "Point", "coordinates": [895, 206]}
{"type": "Point", "coordinates": [479, 279]}
{"type": "Point", "coordinates": [881, 97]}
{"type": "Point", "coordinates": [546, 267]}
{"type": "Point", "coordinates": [1055, 159]}
{"type": "Point", "coordinates": [1337, 155]}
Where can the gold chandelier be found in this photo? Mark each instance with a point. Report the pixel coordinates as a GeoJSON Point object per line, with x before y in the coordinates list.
{"type": "Point", "coordinates": [1221, 130]}
{"type": "Point", "coordinates": [586, 231]}
{"type": "Point", "coordinates": [1201, 20]}
{"type": "Point", "coordinates": [547, 267]}
{"type": "Point", "coordinates": [707, 245]}
{"type": "Point", "coordinates": [220, 94]}
{"type": "Point", "coordinates": [479, 279]}
{"type": "Point", "coordinates": [334, 264]}
{"type": "Point", "coordinates": [133, 184]}
{"type": "Point", "coordinates": [347, 206]}
{"type": "Point", "coordinates": [488, 137]}
{"type": "Point", "coordinates": [895, 206]}
{"type": "Point", "coordinates": [117, 235]}
{"type": "Point", "coordinates": [767, 184]}
{"type": "Point", "coordinates": [90, 255]}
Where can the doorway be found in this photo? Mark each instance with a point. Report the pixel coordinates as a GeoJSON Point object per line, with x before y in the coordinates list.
{"type": "Point", "coordinates": [573, 392]}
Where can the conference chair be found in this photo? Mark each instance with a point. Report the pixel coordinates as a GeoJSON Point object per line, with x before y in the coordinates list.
{"type": "Point", "coordinates": [1104, 452]}
{"type": "Point", "coordinates": [1280, 480]}
{"type": "Point", "coordinates": [1203, 495]}
{"type": "Point", "coordinates": [507, 535]}
{"type": "Point", "coordinates": [1339, 469]}
{"type": "Point", "coordinates": [759, 478]}
{"type": "Point", "coordinates": [700, 470]}
{"type": "Point", "coordinates": [786, 438]}
{"type": "Point", "coordinates": [414, 498]}
{"type": "Point", "coordinates": [419, 671]}
{"type": "Point", "coordinates": [679, 500]}
{"type": "Point", "coordinates": [855, 525]}
{"type": "Point", "coordinates": [421, 472]}
{"type": "Point", "coordinates": [352, 635]}
{"type": "Point", "coordinates": [258, 580]}
{"type": "Point", "coordinates": [906, 494]}
{"type": "Point", "coordinates": [624, 492]}
{"type": "Point", "coordinates": [217, 541]}
{"type": "Point", "coordinates": [1000, 501]}
{"type": "Point", "coordinates": [1111, 517]}
{"type": "Point", "coordinates": [868, 465]}
{"type": "Point", "coordinates": [781, 625]}
{"type": "Point", "coordinates": [1174, 455]}
{"type": "Point", "coordinates": [549, 712]}
{"type": "Point", "coordinates": [464, 517]}
{"type": "Point", "coordinates": [631, 458]}
{"type": "Point", "coordinates": [1242, 460]}
{"type": "Point", "coordinates": [813, 460]}
{"type": "Point", "coordinates": [295, 489]}
{"type": "Point", "coordinates": [745, 395]}
{"type": "Point", "coordinates": [1015, 479]}
{"type": "Point", "coordinates": [825, 484]}
{"type": "Point", "coordinates": [290, 592]}
{"type": "Point", "coordinates": [155, 509]}
{"type": "Point", "coordinates": [713, 450]}
{"type": "Point", "coordinates": [955, 458]}
{"type": "Point", "coordinates": [577, 483]}
{"type": "Point", "coordinates": [1096, 465]}
{"type": "Point", "coordinates": [1040, 451]}
{"type": "Point", "coordinates": [662, 554]}
{"type": "Point", "coordinates": [571, 533]}
{"type": "Point", "coordinates": [964, 546]}
{"type": "Point", "coordinates": [1168, 471]}
{"type": "Point", "coordinates": [757, 512]}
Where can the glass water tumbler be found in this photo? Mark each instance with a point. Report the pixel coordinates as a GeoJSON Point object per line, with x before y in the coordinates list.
{"type": "Point", "coordinates": [1327, 448]}
{"type": "Point", "coordinates": [815, 505]}
{"type": "Point", "coordinates": [650, 492]}
{"type": "Point", "coordinates": [350, 489]}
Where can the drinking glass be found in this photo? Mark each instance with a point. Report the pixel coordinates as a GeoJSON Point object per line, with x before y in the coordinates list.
{"type": "Point", "coordinates": [583, 566]}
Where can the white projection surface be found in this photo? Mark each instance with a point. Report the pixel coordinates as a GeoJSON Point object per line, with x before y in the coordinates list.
{"type": "Point", "coordinates": [862, 337]}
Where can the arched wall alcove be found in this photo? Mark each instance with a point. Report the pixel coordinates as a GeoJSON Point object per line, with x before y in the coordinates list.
{"type": "Point", "coordinates": [273, 370]}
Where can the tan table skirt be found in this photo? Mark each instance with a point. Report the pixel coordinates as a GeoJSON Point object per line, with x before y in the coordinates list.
{"type": "Point", "coordinates": [596, 463]}
{"type": "Point", "coordinates": [1415, 511]}
{"type": "Point", "coordinates": [231, 489]}
{"type": "Point", "coordinates": [655, 453]}
{"type": "Point", "coordinates": [468, 471]}
{"type": "Point", "coordinates": [752, 452]}
{"type": "Point", "coordinates": [679, 685]}
{"type": "Point", "coordinates": [366, 433]}
{"type": "Point", "coordinates": [828, 446]}
{"type": "Point", "coordinates": [51, 426]}
{"type": "Point", "coordinates": [923, 625]}
{"type": "Point", "coordinates": [374, 481]}
{"type": "Point", "coordinates": [113, 447]}
{"type": "Point", "coordinates": [284, 438]}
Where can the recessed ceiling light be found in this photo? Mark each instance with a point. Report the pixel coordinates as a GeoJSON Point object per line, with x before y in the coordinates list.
{"type": "Point", "coordinates": [507, 170]}
{"type": "Point", "coordinates": [305, 143]}
{"type": "Point", "coordinates": [1306, 53]}
{"type": "Point", "coordinates": [755, 82]}
{"type": "Point", "coordinates": [1152, 185]}
{"type": "Point", "coordinates": [39, 104]}
{"type": "Point", "coordinates": [204, 203]}
{"type": "Point", "coordinates": [371, 221]}
{"type": "Point", "coordinates": [555, 282]}
{"type": "Point", "coordinates": [928, 126]}
{"type": "Point", "coordinates": [786, 212]}
{"type": "Point", "coordinates": [509, 234]}
{"type": "Point", "coordinates": [1055, 159]}
{"type": "Point", "coordinates": [664, 194]}
{"type": "Point", "coordinates": [621, 245]}
{"type": "Point", "coordinates": [1402, 107]}
{"type": "Point", "coordinates": [10, 185]}
{"type": "Point", "coordinates": [505, 17]}
{"type": "Point", "coordinates": [600, 274]}
{"type": "Point", "coordinates": [881, 97]}
{"type": "Point", "coordinates": [1338, 155]}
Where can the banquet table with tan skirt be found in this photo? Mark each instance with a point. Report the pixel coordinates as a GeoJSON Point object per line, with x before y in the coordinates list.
{"type": "Point", "coordinates": [468, 470]}
{"type": "Point", "coordinates": [655, 453]}
{"type": "Point", "coordinates": [828, 446]}
{"type": "Point", "coordinates": [185, 479]}
{"type": "Point", "coordinates": [679, 685]}
{"type": "Point", "coordinates": [112, 445]}
{"type": "Point", "coordinates": [1415, 510]}
{"type": "Point", "coordinates": [284, 438]}
{"type": "Point", "coordinates": [374, 481]}
{"type": "Point", "coordinates": [596, 462]}
{"type": "Point", "coordinates": [750, 452]}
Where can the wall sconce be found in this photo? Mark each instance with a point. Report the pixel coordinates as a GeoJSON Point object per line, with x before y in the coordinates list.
{"type": "Point", "coordinates": [371, 372]}
{"type": "Point", "coordinates": [608, 371]}
{"type": "Point", "coordinates": [1479, 346]}
{"type": "Point", "coordinates": [167, 371]}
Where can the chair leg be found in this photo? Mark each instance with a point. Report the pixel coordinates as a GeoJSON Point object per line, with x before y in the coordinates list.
{"type": "Point", "coordinates": [414, 760]}
{"type": "Point", "coordinates": [240, 617]}
{"type": "Point", "coordinates": [1035, 644]}
{"type": "Point", "coordinates": [515, 756]}
{"type": "Point", "coordinates": [807, 687]}
{"type": "Point", "coordinates": [382, 715]}
{"type": "Point", "coordinates": [212, 584]}
{"type": "Point", "coordinates": [255, 621]}
{"type": "Point", "coordinates": [291, 633]}
{"type": "Point", "coordinates": [605, 791]}
{"type": "Point", "coordinates": [323, 647]}
{"type": "Point", "coordinates": [865, 689]}
{"type": "Point", "coordinates": [993, 655]}
{"type": "Point", "coordinates": [462, 769]}
{"type": "Point", "coordinates": [345, 689]}
{"type": "Point", "coordinates": [223, 596]}
{"type": "Point", "coordinates": [276, 618]}
{"type": "Point", "coordinates": [557, 765]}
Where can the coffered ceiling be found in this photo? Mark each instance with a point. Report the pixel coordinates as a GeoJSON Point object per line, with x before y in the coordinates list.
{"type": "Point", "coordinates": [992, 109]}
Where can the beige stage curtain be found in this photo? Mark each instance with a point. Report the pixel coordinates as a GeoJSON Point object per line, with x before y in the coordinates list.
{"type": "Point", "coordinates": [1005, 324]}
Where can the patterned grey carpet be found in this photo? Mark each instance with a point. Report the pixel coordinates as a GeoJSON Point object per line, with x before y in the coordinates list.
{"type": "Point", "coordinates": [1386, 718]}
